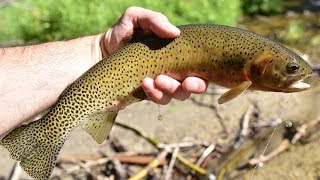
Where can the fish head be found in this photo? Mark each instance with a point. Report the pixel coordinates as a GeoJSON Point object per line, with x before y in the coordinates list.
{"type": "Point", "coordinates": [280, 70]}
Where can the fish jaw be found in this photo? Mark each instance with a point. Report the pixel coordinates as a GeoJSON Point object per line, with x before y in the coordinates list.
{"type": "Point", "coordinates": [298, 86]}
{"type": "Point", "coordinates": [294, 86]}
{"type": "Point", "coordinates": [297, 83]}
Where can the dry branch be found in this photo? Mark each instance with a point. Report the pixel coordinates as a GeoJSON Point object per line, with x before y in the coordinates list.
{"type": "Point", "coordinates": [139, 132]}
{"type": "Point", "coordinates": [246, 121]}
{"type": "Point", "coordinates": [134, 159]}
{"type": "Point", "coordinates": [78, 158]}
{"type": "Point", "coordinates": [171, 164]}
{"type": "Point", "coordinates": [284, 145]}
{"type": "Point", "coordinates": [155, 142]}
{"type": "Point", "coordinates": [153, 164]}
{"type": "Point", "coordinates": [302, 130]}
{"type": "Point", "coordinates": [191, 165]}
{"type": "Point", "coordinates": [206, 153]}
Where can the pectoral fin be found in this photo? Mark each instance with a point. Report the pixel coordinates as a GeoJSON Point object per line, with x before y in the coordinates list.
{"type": "Point", "coordinates": [98, 125]}
{"type": "Point", "coordinates": [234, 92]}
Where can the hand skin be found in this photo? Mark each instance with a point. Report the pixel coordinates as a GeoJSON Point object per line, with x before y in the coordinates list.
{"type": "Point", "coordinates": [33, 77]}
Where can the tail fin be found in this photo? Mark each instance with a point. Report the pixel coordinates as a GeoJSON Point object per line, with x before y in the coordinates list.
{"type": "Point", "coordinates": [37, 155]}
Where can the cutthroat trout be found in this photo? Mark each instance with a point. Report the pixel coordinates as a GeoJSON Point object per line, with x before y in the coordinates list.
{"type": "Point", "coordinates": [226, 56]}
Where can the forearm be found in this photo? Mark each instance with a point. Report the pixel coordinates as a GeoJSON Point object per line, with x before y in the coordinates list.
{"type": "Point", "coordinates": [33, 77]}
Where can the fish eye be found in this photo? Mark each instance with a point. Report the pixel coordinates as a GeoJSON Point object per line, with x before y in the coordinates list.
{"type": "Point", "coordinates": [292, 67]}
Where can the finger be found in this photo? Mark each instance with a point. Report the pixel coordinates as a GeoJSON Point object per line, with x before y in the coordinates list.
{"type": "Point", "coordinates": [153, 93]}
{"type": "Point", "coordinates": [194, 85]}
{"type": "Point", "coordinates": [150, 21]}
{"type": "Point", "coordinates": [161, 26]}
{"type": "Point", "coordinates": [171, 87]}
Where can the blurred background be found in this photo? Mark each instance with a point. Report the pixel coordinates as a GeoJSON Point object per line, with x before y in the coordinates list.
{"type": "Point", "coordinates": [195, 139]}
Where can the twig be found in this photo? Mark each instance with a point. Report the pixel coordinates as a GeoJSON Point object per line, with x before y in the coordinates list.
{"type": "Point", "coordinates": [171, 164]}
{"type": "Point", "coordinates": [284, 145]}
{"type": "Point", "coordinates": [302, 130]}
{"type": "Point", "coordinates": [191, 165]}
{"type": "Point", "coordinates": [155, 142]}
{"type": "Point", "coordinates": [182, 144]}
{"type": "Point", "coordinates": [78, 158]}
{"type": "Point", "coordinates": [87, 165]}
{"type": "Point", "coordinates": [244, 127]}
{"type": "Point", "coordinates": [206, 153]}
{"type": "Point", "coordinates": [139, 132]}
{"type": "Point", "coordinates": [195, 101]}
{"type": "Point", "coordinates": [246, 120]}
{"type": "Point", "coordinates": [134, 159]}
{"type": "Point", "coordinates": [153, 164]}
{"type": "Point", "coordinates": [232, 162]}
{"type": "Point", "coordinates": [119, 169]}
{"type": "Point", "coordinates": [216, 111]}
{"type": "Point", "coordinates": [89, 162]}
{"type": "Point", "coordinates": [72, 169]}
{"type": "Point", "coordinates": [221, 121]}
{"type": "Point", "coordinates": [271, 123]}
{"type": "Point", "coordinates": [87, 169]}
{"type": "Point", "coordinates": [116, 145]}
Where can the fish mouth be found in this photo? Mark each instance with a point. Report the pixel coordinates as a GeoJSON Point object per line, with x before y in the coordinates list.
{"type": "Point", "coordinates": [298, 86]}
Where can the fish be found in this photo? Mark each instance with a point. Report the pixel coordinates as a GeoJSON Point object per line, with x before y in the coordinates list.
{"type": "Point", "coordinates": [227, 56]}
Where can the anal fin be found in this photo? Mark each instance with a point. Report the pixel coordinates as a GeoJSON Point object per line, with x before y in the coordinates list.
{"type": "Point", "coordinates": [98, 125]}
{"type": "Point", "coordinates": [234, 92]}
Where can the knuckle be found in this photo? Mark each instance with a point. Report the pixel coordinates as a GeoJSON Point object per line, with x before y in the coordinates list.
{"type": "Point", "coordinates": [164, 101]}
{"type": "Point", "coordinates": [130, 10]}
{"type": "Point", "coordinates": [182, 97]}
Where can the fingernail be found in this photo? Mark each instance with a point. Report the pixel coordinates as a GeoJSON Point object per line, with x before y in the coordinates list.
{"type": "Point", "coordinates": [195, 85]}
{"type": "Point", "coordinates": [172, 28]}
{"type": "Point", "coordinates": [191, 86]}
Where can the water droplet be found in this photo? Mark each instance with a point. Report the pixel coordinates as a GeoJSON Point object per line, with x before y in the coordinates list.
{"type": "Point", "coordinates": [160, 117]}
{"type": "Point", "coordinates": [289, 124]}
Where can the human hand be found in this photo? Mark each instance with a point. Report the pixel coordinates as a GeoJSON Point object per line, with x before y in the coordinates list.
{"type": "Point", "coordinates": [163, 88]}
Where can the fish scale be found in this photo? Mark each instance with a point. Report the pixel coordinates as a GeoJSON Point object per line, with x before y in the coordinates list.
{"type": "Point", "coordinates": [223, 55]}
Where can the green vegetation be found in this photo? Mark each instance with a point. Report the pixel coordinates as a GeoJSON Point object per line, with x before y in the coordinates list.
{"type": "Point", "coordinates": [294, 31]}
{"type": "Point", "coordinates": [36, 21]}
{"type": "Point", "coordinates": [262, 6]}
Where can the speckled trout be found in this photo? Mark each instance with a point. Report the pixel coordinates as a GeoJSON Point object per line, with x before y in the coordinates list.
{"type": "Point", "coordinates": [226, 56]}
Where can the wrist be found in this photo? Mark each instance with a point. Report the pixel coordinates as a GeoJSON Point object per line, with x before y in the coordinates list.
{"type": "Point", "coordinates": [98, 51]}
{"type": "Point", "coordinates": [100, 46]}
